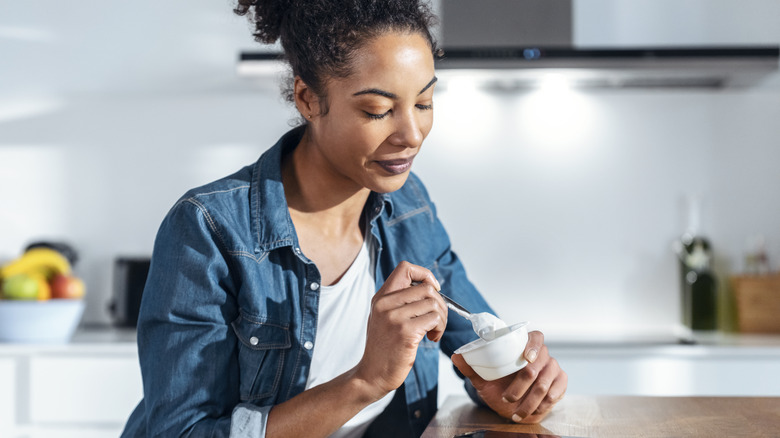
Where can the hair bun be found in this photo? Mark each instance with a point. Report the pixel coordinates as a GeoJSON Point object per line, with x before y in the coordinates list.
{"type": "Point", "coordinates": [320, 38]}
{"type": "Point", "coordinates": [267, 16]}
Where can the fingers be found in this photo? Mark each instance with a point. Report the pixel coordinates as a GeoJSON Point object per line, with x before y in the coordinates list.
{"type": "Point", "coordinates": [412, 302]}
{"type": "Point", "coordinates": [466, 370]}
{"type": "Point", "coordinates": [537, 387]}
{"type": "Point", "coordinates": [537, 356]}
{"type": "Point", "coordinates": [424, 311]}
{"type": "Point", "coordinates": [410, 292]}
{"type": "Point", "coordinates": [534, 345]}
{"type": "Point", "coordinates": [405, 274]}
{"type": "Point", "coordinates": [527, 395]}
{"type": "Point", "coordinates": [402, 314]}
{"type": "Point", "coordinates": [556, 393]}
{"type": "Point", "coordinates": [526, 377]}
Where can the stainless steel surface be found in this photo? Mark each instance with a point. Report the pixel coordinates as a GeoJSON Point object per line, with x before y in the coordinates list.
{"type": "Point", "coordinates": [517, 44]}
{"type": "Point", "coordinates": [506, 23]}
{"type": "Point", "coordinates": [457, 308]}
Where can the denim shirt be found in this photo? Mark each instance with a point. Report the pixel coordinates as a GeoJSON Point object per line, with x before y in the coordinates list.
{"type": "Point", "coordinates": [229, 314]}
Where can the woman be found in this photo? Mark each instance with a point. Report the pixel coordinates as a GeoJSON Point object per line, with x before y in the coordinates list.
{"type": "Point", "coordinates": [299, 296]}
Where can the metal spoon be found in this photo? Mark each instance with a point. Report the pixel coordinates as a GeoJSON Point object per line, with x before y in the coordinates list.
{"type": "Point", "coordinates": [455, 307]}
{"type": "Point", "coordinates": [482, 323]}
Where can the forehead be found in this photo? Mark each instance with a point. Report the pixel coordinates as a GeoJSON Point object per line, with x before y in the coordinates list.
{"type": "Point", "coordinates": [394, 59]}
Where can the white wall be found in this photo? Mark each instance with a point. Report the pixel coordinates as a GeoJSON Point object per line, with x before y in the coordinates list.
{"type": "Point", "coordinates": [563, 207]}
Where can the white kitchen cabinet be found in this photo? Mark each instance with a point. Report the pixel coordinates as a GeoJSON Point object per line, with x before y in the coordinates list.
{"type": "Point", "coordinates": [721, 365]}
{"type": "Point", "coordinates": [84, 389]}
{"type": "Point", "coordinates": [680, 370]}
{"type": "Point", "coordinates": [7, 387]}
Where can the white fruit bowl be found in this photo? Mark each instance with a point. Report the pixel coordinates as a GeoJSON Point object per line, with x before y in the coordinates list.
{"type": "Point", "coordinates": [499, 357]}
{"type": "Point", "coordinates": [33, 322]}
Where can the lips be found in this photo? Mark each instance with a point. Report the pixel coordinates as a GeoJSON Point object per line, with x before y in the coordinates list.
{"type": "Point", "coordinates": [396, 167]}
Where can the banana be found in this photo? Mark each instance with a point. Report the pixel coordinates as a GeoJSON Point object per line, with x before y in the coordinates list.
{"type": "Point", "coordinates": [37, 261]}
{"type": "Point", "coordinates": [44, 290]}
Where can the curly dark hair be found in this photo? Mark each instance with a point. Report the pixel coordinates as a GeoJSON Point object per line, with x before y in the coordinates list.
{"type": "Point", "coordinates": [321, 37]}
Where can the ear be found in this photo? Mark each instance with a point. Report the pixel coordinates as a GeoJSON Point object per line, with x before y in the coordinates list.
{"type": "Point", "coordinates": [306, 99]}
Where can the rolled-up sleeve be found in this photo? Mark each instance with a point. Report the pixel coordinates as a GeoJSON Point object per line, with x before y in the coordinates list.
{"type": "Point", "coordinates": [249, 421]}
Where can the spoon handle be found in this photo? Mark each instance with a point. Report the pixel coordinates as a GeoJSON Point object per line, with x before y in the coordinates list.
{"type": "Point", "coordinates": [452, 304]}
{"type": "Point", "coordinates": [457, 308]}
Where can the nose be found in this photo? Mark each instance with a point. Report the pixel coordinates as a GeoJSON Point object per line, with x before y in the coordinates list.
{"type": "Point", "coordinates": [408, 131]}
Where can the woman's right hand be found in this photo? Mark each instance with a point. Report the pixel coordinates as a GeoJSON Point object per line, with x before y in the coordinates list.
{"type": "Point", "coordinates": [402, 313]}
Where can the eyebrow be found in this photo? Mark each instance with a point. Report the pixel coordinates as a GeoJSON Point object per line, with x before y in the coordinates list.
{"type": "Point", "coordinates": [430, 84]}
{"type": "Point", "coordinates": [390, 95]}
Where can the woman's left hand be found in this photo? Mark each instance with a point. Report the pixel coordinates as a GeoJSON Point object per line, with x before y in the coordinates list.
{"type": "Point", "coordinates": [528, 395]}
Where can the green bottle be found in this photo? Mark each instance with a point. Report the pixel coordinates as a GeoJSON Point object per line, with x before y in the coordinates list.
{"type": "Point", "coordinates": [698, 284]}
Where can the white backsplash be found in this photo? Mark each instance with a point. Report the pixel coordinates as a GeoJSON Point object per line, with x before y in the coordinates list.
{"type": "Point", "coordinates": [562, 206]}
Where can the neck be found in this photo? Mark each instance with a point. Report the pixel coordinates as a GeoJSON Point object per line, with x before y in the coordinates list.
{"type": "Point", "coordinates": [314, 191]}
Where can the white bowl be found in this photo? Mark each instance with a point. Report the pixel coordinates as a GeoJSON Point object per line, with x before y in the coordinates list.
{"type": "Point", "coordinates": [499, 357]}
{"type": "Point", "coordinates": [50, 321]}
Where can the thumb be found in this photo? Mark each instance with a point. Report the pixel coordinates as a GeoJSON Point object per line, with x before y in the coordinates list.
{"type": "Point", "coordinates": [466, 370]}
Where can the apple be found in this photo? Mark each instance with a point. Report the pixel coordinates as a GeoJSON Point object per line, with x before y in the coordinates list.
{"type": "Point", "coordinates": [20, 287]}
{"type": "Point", "coordinates": [67, 286]}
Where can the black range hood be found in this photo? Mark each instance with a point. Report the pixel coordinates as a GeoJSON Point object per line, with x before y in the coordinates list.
{"type": "Point", "coordinates": [639, 67]}
{"type": "Point", "coordinates": [523, 43]}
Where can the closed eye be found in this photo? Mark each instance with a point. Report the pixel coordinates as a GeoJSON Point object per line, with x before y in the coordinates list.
{"type": "Point", "coordinates": [376, 116]}
{"type": "Point", "coordinates": [380, 116]}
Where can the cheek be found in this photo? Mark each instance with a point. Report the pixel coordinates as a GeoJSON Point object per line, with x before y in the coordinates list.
{"type": "Point", "coordinates": [357, 146]}
{"type": "Point", "coordinates": [427, 124]}
{"type": "Point", "coordinates": [369, 137]}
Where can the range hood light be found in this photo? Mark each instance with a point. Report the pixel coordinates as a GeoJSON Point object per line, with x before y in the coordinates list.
{"type": "Point", "coordinates": [555, 82]}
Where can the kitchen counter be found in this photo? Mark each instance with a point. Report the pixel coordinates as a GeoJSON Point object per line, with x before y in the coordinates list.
{"type": "Point", "coordinates": [100, 339]}
{"type": "Point", "coordinates": [104, 335]}
{"type": "Point", "coordinates": [700, 345]}
{"type": "Point", "coordinates": [703, 345]}
{"type": "Point", "coordinates": [98, 379]}
{"type": "Point", "coordinates": [621, 416]}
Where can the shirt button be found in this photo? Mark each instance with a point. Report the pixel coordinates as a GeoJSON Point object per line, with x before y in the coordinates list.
{"type": "Point", "coordinates": [254, 341]}
{"type": "Point", "coordinates": [314, 285]}
{"type": "Point", "coordinates": [308, 345]}
{"type": "Point", "coordinates": [417, 413]}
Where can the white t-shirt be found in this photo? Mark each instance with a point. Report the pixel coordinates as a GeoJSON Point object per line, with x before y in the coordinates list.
{"type": "Point", "coordinates": [341, 334]}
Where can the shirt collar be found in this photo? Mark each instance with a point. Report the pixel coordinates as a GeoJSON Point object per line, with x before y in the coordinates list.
{"type": "Point", "coordinates": [272, 224]}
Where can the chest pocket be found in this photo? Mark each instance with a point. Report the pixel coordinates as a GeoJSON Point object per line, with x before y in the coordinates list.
{"type": "Point", "coordinates": [262, 349]}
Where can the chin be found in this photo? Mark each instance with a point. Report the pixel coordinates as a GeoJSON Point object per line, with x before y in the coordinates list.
{"type": "Point", "coordinates": [389, 184]}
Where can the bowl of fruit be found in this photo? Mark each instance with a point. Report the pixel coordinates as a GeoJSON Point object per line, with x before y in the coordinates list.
{"type": "Point", "coordinates": [41, 301]}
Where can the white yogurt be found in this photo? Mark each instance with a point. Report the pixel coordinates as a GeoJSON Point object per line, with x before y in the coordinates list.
{"type": "Point", "coordinates": [500, 356]}
{"type": "Point", "coordinates": [487, 326]}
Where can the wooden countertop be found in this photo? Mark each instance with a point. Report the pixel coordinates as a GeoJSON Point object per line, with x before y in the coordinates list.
{"type": "Point", "coordinates": [624, 416]}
